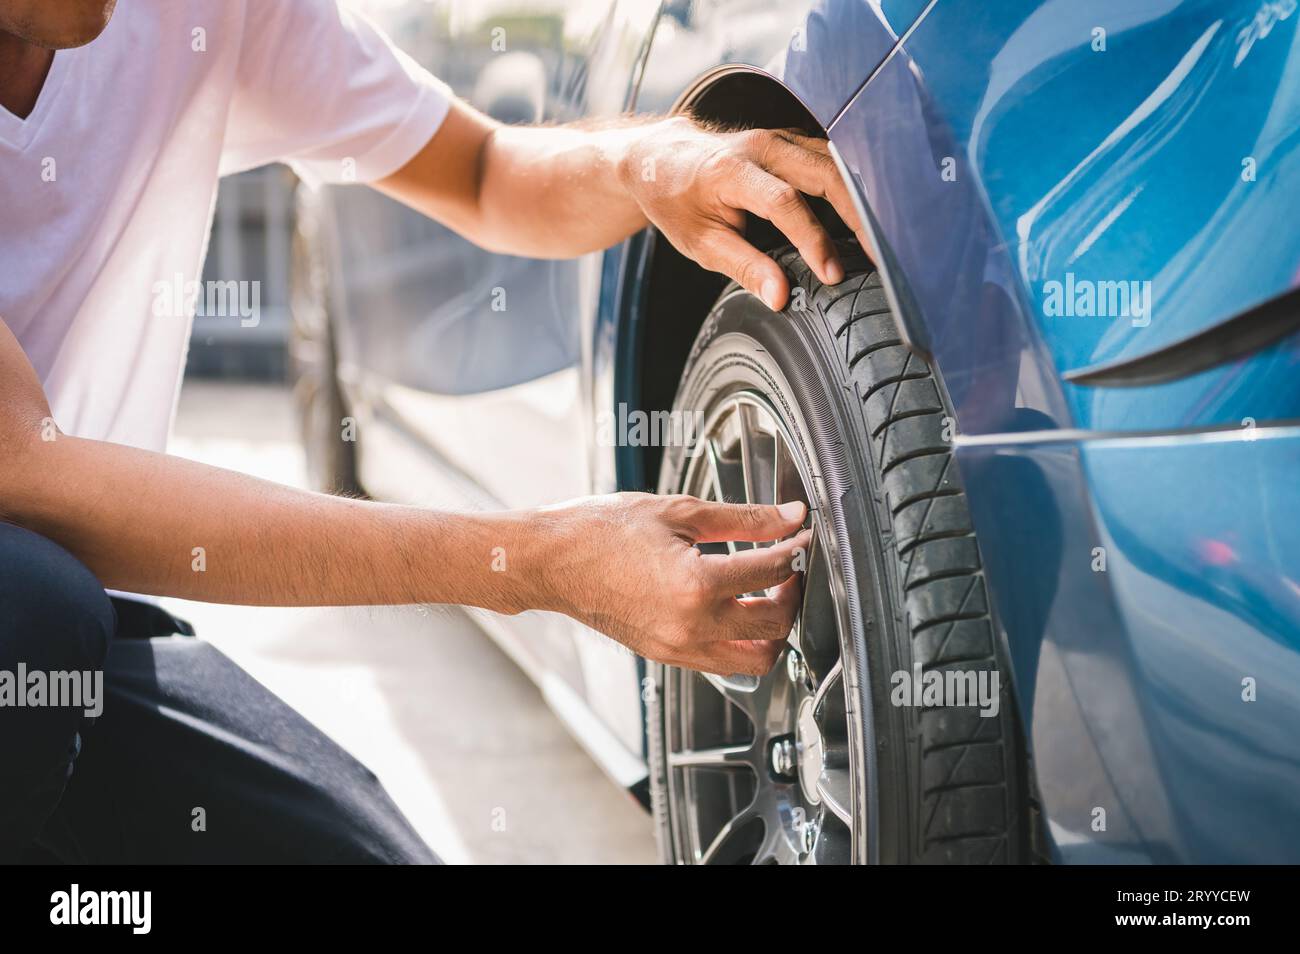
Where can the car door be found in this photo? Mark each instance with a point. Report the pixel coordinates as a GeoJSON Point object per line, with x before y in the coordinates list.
{"type": "Point", "coordinates": [467, 368]}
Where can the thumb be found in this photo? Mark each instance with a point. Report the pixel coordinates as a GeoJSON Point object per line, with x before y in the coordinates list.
{"type": "Point", "coordinates": [723, 522]}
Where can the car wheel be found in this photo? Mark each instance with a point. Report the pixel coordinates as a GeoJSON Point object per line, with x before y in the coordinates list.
{"type": "Point", "coordinates": [814, 763]}
{"type": "Point", "coordinates": [313, 355]}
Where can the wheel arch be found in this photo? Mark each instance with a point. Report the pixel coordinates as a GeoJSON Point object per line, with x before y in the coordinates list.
{"type": "Point", "coordinates": [666, 296]}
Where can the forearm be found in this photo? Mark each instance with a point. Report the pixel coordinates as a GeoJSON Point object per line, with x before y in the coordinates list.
{"type": "Point", "coordinates": [538, 191]}
{"type": "Point", "coordinates": [558, 192]}
{"type": "Point", "coordinates": [155, 524]}
{"type": "Point", "coordinates": [561, 191]}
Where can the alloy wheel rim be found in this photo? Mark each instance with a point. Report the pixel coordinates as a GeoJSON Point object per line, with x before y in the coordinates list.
{"type": "Point", "coordinates": [762, 770]}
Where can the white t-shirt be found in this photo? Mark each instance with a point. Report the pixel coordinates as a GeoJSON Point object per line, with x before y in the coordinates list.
{"type": "Point", "coordinates": [107, 187]}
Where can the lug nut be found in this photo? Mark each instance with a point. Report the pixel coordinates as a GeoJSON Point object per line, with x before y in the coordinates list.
{"type": "Point", "coordinates": [809, 837]}
{"type": "Point", "coordinates": [795, 668]}
{"type": "Point", "coordinates": [783, 757]}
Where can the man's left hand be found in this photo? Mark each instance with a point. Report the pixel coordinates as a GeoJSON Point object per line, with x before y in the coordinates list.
{"type": "Point", "coordinates": [696, 185]}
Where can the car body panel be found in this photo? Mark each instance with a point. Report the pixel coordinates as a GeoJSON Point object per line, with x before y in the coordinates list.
{"type": "Point", "coordinates": [1143, 182]}
{"type": "Point", "coordinates": [1130, 679]}
{"type": "Point", "coordinates": [1155, 657]}
{"type": "Point", "coordinates": [822, 52]}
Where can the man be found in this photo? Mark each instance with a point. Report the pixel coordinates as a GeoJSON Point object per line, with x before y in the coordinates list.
{"type": "Point", "coordinates": [110, 149]}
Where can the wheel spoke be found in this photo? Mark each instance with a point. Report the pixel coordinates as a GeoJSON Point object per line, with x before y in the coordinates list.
{"type": "Point", "coordinates": [775, 847]}
{"type": "Point", "coordinates": [726, 832]}
{"type": "Point", "coordinates": [728, 473]}
{"type": "Point", "coordinates": [835, 790]}
{"type": "Point", "coordinates": [757, 457]}
{"type": "Point", "coordinates": [835, 785]}
{"type": "Point", "coordinates": [786, 482]}
{"type": "Point", "coordinates": [728, 756]}
{"type": "Point", "coordinates": [715, 475]}
{"type": "Point", "coordinates": [747, 457]}
{"type": "Point", "coordinates": [831, 678]}
{"type": "Point", "coordinates": [818, 625]}
{"type": "Point", "coordinates": [778, 459]}
{"type": "Point", "coordinates": [748, 693]}
{"type": "Point", "coordinates": [796, 637]}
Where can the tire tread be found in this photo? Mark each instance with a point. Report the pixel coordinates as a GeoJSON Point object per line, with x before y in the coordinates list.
{"type": "Point", "coordinates": [971, 808]}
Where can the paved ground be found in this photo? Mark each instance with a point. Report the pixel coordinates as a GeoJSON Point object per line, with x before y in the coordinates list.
{"type": "Point", "coordinates": [461, 739]}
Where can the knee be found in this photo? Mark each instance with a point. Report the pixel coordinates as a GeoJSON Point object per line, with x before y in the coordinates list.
{"type": "Point", "coordinates": [57, 616]}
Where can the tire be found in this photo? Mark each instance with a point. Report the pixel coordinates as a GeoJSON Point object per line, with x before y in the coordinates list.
{"type": "Point", "coordinates": [926, 784]}
{"type": "Point", "coordinates": [322, 409]}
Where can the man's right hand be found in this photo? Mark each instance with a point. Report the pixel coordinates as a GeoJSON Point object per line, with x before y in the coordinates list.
{"type": "Point", "coordinates": [626, 565]}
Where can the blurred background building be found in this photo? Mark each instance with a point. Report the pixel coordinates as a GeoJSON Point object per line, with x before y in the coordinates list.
{"type": "Point", "coordinates": [252, 235]}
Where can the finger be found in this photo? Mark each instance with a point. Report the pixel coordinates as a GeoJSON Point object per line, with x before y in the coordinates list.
{"type": "Point", "coordinates": [710, 522]}
{"type": "Point", "coordinates": [758, 191]}
{"type": "Point", "coordinates": [771, 617]}
{"type": "Point", "coordinates": [754, 631]}
{"type": "Point", "coordinates": [806, 163]}
{"type": "Point", "coordinates": [748, 637]}
{"type": "Point", "coordinates": [722, 250]}
{"type": "Point", "coordinates": [752, 658]}
{"type": "Point", "coordinates": [734, 657]}
{"type": "Point", "coordinates": [748, 571]}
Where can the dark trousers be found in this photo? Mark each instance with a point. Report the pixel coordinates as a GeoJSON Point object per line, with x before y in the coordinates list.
{"type": "Point", "coordinates": [191, 760]}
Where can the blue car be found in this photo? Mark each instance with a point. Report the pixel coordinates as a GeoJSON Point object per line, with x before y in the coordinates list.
{"type": "Point", "coordinates": [1047, 426]}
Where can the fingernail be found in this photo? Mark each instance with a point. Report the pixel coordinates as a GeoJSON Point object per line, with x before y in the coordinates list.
{"type": "Point", "coordinates": [769, 293]}
{"type": "Point", "coordinates": [794, 510]}
{"type": "Point", "coordinates": [834, 273]}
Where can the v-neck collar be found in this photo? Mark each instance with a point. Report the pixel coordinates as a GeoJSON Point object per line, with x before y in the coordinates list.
{"type": "Point", "coordinates": [18, 132]}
